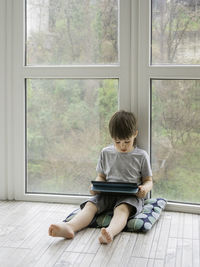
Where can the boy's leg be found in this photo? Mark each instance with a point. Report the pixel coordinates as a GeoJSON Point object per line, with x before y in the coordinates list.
{"type": "Point", "coordinates": [117, 224]}
{"type": "Point", "coordinates": [80, 221]}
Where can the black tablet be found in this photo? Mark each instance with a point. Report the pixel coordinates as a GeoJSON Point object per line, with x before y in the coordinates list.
{"type": "Point", "coordinates": [113, 187]}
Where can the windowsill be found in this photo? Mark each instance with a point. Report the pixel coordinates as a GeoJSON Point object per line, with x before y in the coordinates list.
{"type": "Point", "coordinates": [74, 199]}
{"type": "Point", "coordinates": [183, 207]}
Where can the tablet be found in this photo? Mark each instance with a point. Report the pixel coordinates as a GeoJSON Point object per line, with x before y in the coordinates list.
{"type": "Point", "coordinates": [113, 187]}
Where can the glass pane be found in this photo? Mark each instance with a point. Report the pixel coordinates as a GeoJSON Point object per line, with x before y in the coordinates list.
{"type": "Point", "coordinates": [176, 139]}
{"type": "Point", "coordinates": [71, 32]}
{"type": "Point", "coordinates": [66, 128]}
{"type": "Point", "coordinates": [176, 32]}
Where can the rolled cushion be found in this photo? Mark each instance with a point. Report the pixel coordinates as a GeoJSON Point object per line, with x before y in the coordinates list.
{"type": "Point", "coordinates": [142, 222]}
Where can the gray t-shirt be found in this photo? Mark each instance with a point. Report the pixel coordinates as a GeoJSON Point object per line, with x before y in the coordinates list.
{"type": "Point", "coordinates": [124, 167]}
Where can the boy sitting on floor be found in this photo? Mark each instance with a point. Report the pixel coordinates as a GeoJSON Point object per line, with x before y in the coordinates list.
{"type": "Point", "coordinates": [121, 162]}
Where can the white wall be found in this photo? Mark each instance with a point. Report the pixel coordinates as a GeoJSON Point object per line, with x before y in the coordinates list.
{"type": "Point", "coordinates": [6, 100]}
{"type": "Point", "coordinates": [2, 102]}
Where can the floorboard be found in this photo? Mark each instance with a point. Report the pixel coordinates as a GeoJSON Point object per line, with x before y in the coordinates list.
{"type": "Point", "coordinates": [174, 240]}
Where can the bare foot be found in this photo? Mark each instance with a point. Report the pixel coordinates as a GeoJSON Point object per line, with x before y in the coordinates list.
{"type": "Point", "coordinates": [105, 237]}
{"type": "Point", "coordinates": [61, 230]}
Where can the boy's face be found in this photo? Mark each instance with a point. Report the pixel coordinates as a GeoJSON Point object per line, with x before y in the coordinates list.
{"type": "Point", "coordinates": [125, 145]}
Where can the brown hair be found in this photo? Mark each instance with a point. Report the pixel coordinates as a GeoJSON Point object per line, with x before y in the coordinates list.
{"type": "Point", "coordinates": [122, 125]}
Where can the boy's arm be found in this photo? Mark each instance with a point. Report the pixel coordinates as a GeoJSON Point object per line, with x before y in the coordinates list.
{"type": "Point", "coordinates": [145, 187]}
{"type": "Point", "coordinates": [101, 178]}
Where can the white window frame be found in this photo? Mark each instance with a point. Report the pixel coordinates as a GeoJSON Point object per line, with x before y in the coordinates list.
{"type": "Point", "coordinates": [134, 72]}
{"type": "Point", "coordinates": [147, 72]}
{"type": "Point", "coordinates": [15, 106]}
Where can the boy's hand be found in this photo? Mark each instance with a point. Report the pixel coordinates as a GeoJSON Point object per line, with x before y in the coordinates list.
{"type": "Point", "coordinates": [102, 178]}
{"type": "Point", "coordinates": [145, 187]}
{"type": "Point", "coordinates": [142, 191]}
{"type": "Point", "coordinates": [93, 192]}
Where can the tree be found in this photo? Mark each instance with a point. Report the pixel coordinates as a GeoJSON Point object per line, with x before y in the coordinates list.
{"type": "Point", "coordinates": [172, 21]}
{"type": "Point", "coordinates": [72, 35]}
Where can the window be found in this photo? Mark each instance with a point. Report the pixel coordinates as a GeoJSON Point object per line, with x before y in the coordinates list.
{"type": "Point", "coordinates": [168, 92]}
{"type": "Point", "coordinates": [72, 32]}
{"type": "Point", "coordinates": [67, 118]}
{"type": "Point", "coordinates": [65, 71]}
{"type": "Point", "coordinates": [175, 139]}
{"type": "Point", "coordinates": [175, 97]}
{"type": "Point", "coordinates": [72, 72]}
{"type": "Point", "coordinates": [176, 32]}
{"type": "Point", "coordinates": [66, 128]}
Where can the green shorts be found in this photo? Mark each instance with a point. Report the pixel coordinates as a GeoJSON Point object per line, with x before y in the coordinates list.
{"type": "Point", "coordinates": [105, 202]}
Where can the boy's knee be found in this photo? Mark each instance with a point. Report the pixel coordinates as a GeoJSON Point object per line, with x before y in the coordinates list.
{"type": "Point", "coordinates": [124, 208]}
{"type": "Point", "coordinates": [91, 206]}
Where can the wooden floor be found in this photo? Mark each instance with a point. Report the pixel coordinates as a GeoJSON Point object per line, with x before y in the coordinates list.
{"type": "Point", "coordinates": [173, 241]}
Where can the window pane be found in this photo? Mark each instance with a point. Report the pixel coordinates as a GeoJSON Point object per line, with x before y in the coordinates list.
{"type": "Point", "coordinates": [176, 32]}
{"type": "Point", "coordinates": [66, 128]}
{"type": "Point", "coordinates": [176, 139]}
{"type": "Point", "coordinates": [71, 32]}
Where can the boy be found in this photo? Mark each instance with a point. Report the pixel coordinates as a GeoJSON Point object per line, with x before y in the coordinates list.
{"type": "Point", "coordinates": [121, 162]}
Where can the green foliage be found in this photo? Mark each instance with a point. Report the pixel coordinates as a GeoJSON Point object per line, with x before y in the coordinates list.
{"type": "Point", "coordinates": [75, 32]}
{"type": "Point", "coordinates": [107, 102]}
{"type": "Point", "coordinates": [175, 32]}
{"type": "Point", "coordinates": [176, 138]}
{"type": "Point", "coordinates": [66, 130]}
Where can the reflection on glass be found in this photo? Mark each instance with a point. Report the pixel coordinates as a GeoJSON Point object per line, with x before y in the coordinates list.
{"type": "Point", "coordinates": [175, 32]}
{"type": "Point", "coordinates": [176, 139]}
{"type": "Point", "coordinates": [71, 32]}
{"type": "Point", "coordinates": [66, 128]}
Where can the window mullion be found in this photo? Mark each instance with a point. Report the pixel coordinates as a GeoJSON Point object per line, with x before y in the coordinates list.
{"type": "Point", "coordinates": [174, 72]}
{"type": "Point", "coordinates": [134, 57]}
{"type": "Point", "coordinates": [72, 71]}
{"type": "Point", "coordinates": [143, 76]}
{"type": "Point", "coordinates": [125, 46]}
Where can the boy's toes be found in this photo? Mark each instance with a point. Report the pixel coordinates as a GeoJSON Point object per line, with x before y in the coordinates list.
{"type": "Point", "coordinates": [51, 230]}
{"type": "Point", "coordinates": [61, 230]}
{"type": "Point", "coordinates": [105, 237]}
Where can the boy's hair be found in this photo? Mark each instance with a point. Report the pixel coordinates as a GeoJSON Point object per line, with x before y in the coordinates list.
{"type": "Point", "coordinates": [122, 125]}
